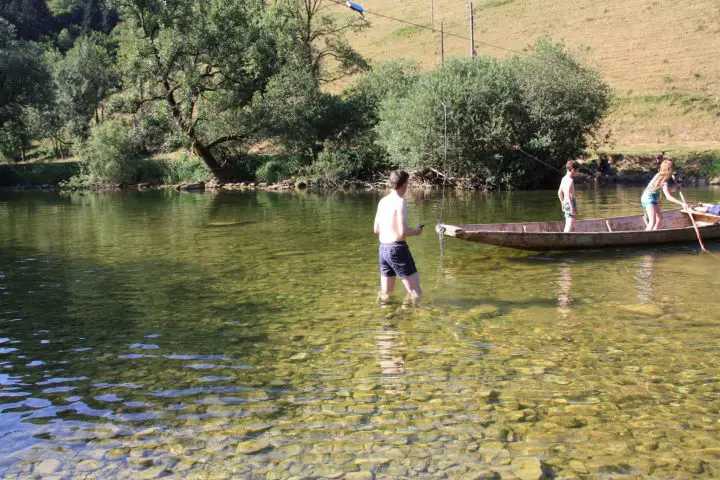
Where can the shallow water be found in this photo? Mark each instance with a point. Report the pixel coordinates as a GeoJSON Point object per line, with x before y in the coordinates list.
{"type": "Point", "coordinates": [238, 335]}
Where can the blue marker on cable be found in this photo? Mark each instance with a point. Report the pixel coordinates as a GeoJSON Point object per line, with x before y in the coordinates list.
{"type": "Point", "coordinates": [356, 7]}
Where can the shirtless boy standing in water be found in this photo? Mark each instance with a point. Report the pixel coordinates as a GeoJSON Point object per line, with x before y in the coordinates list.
{"type": "Point", "coordinates": [566, 194]}
{"type": "Point", "coordinates": [392, 228]}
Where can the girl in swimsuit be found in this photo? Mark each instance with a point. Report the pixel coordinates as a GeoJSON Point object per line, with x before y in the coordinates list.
{"type": "Point", "coordinates": [650, 198]}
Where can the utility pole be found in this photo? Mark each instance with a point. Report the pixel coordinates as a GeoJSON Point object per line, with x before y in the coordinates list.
{"type": "Point", "coordinates": [442, 39]}
{"type": "Point", "coordinates": [473, 53]}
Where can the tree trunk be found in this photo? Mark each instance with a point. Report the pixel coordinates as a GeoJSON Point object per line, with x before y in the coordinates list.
{"type": "Point", "coordinates": [202, 150]}
{"type": "Point", "coordinates": [221, 173]}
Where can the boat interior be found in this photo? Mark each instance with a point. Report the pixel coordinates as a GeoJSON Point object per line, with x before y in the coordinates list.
{"type": "Point", "coordinates": [671, 219]}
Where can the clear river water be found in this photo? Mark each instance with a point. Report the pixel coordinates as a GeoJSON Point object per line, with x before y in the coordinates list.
{"type": "Point", "coordinates": [238, 335]}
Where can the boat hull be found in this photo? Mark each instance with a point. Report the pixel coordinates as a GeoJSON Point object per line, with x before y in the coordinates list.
{"type": "Point", "coordinates": [618, 231]}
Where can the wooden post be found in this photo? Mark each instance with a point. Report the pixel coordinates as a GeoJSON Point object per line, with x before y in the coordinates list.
{"type": "Point", "coordinates": [432, 13]}
{"type": "Point", "coordinates": [442, 39]}
{"type": "Point", "coordinates": [472, 32]}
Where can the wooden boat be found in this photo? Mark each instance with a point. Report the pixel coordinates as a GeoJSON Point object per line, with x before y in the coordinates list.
{"type": "Point", "coordinates": [588, 234]}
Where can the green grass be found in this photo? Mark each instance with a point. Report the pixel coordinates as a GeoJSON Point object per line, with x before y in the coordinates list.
{"type": "Point", "coordinates": [493, 4]}
{"type": "Point", "coordinates": [408, 31]}
{"type": "Point", "coordinates": [695, 100]}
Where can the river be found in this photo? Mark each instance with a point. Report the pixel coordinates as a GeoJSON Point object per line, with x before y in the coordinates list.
{"type": "Point", "coordinates": [238, 335]}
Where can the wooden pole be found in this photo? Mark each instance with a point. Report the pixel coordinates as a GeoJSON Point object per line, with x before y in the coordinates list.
{"type": "Point", "coordinates": [442, 39]}
{"type": "Point", "coordinates": [692, 219]}
{"type": "Point", "coordinates": [472, 32]}
{"type": "Point", "coordinates": [432, 13]}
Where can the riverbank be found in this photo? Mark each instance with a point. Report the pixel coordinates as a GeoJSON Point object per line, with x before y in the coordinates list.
{"type": "Point", "coordinates": [694, 169]}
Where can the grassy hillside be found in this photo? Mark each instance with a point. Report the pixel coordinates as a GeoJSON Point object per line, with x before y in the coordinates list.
{"type": "Point", "coordinates": [662, 57]}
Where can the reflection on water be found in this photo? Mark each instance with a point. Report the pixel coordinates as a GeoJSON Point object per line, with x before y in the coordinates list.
{"type": "Point", "coordinates": [564, 283]}
{"type": "Point", "coordinates": [138, 339]}
{"type": "Point", "coordinates": [643, 278]}
{"type": "Point", "coordinates": [391, 352]}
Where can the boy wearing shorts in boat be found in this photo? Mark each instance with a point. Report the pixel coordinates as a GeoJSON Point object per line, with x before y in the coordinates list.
{"type": "Point", "coordinates": [707, 208]}
{"type": "Point", "coordinates": [566, 194]}
{"type": "Point", "coordinates": [392, 228]}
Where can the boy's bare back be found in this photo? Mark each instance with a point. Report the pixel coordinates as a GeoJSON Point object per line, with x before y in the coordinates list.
{"type": "Point", "coordinates": [390, 213]}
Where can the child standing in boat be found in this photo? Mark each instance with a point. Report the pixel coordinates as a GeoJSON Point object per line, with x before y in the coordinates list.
{"type": "Point", "coordinates": [566, 194]}
{"type": "Point", "coordinates": [650, 198]}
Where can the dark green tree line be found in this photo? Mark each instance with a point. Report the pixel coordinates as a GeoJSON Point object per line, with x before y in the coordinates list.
{"type": "Point", "coordinates": [24, 83]}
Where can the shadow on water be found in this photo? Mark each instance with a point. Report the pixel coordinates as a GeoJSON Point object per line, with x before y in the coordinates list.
{"type": "Point", "coordinates": [608, 255]}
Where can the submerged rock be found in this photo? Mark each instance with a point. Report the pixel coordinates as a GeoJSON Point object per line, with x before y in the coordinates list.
{"type": "Point", "coordinates": [527, 468]}
{"type": "Point", "coordinates": [47, 467]}
{"type": "Point", "coordinates": [252, 447]}
{"type": "Point", "coordinates": [88, 466]}
{"type": "Point", "coordinates": [363, 475]}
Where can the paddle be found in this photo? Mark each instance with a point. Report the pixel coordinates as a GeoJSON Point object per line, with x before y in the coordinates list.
{"type": "Point", "coordinates": [692, 219]}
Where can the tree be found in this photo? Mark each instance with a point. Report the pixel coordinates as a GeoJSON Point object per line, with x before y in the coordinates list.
{"type": "Point", "coordinates": [295, 111]}
{"type": "Point", "coordinates": [320, 38]}
{"type": "Point", "coordinates": [84, 78]}
{"type": "Point", "coordinates": [110, 155]}
{"type": "Point", "coordinates": [205, 60]}
{"type": "Point", "coordinates": [352, 150]}
{"type": "Point", "coordinates": [483, 113]}
{"type": "Point", "coordinates": [24, 83]}
{"type": "Point", "coordinates": [83, 16]}
{"type": "Point", "coordinates": [546, 104]}
{"type": "Point", "coordinates": [565, 101]}
{"type": "Point", "coordinates": [31, 18]}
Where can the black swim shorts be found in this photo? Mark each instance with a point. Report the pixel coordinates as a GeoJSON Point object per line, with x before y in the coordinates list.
{"type": "Point", "coordinates": [395, 259]}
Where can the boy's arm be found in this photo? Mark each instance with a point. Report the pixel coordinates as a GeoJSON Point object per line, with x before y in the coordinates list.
{"type": "Point", "coordinates": [560, 193]}
{"type": "Point", "coordinates": [376, 226]}
{"type": "Point", "coordinates": [405, 230]}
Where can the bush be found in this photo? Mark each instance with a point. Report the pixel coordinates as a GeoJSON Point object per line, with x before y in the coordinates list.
{"type": "Point", "coordinates": [111, 155]}
{"type": "Point", "coordinates": [157, 132]}
{"type": "Point", "coordinates": [707, 164]}
{"type": "Point", "coordinates": [37, 173]}
{"type": "Point", "coordinates": [546, 104]}
{"type": "Point", "coordinates": [186, 169]}
{"type": "Point", "coordinates": [272, 171]}
{"type": "Point", "coordinates": [361, 160]}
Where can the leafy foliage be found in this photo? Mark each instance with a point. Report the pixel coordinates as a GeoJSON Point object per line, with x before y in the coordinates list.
{"type": "Point", "coordinates": [352, 151]}
{"type": "Point", "coordinates": [37, 173]}
{"type": "Point", "coordinates": [319, 39]}
{"type": "Point", "coordinates": [109, 154]}
{"type": "Point", "coordinates": [204, 60]}
{"type": "Point", "coordinates": [272, 171]}
{"type": "Point", "coordinates": [187, 168]}
{"type": "Point", "coordinates": [83, 78]}
{"type": "Point", "coordinates": [31, 18]}
{"type": "Point", "coordinates": [545, 104]}
{"type": "Point", "coordinates": [24, 82]}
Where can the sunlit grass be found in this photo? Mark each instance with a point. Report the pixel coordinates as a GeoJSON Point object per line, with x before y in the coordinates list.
{"type": "Point", "coordinates": [654, 53]}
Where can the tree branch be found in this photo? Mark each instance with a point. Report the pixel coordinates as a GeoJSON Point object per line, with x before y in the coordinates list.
{"type": "Point", "coordinates": [224, 139]}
